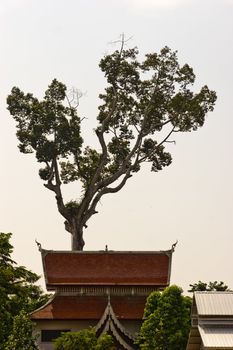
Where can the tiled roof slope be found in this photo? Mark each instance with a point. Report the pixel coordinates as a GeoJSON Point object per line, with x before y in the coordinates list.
{"type": "Point", "coordinates": [90, 307]}
{"type": "Point", "coordinates": [106, 268]}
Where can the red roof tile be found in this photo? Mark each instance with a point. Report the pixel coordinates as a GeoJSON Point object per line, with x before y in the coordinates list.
{"type": "Point", "coordinates": [106, 268]}
{"type": "Point", "coordinates": [90, 307]}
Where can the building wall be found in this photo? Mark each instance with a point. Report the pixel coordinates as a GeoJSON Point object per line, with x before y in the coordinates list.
{"type": "Point", "coordinates": [73, 326]}
{"type": "Point", "coordinates": [130, 325]}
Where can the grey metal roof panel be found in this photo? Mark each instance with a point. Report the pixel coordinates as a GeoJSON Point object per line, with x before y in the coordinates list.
{"type": "Point", "coordinates": [216, 337]}
{"type": "Point", "coordinates": [214, 303]}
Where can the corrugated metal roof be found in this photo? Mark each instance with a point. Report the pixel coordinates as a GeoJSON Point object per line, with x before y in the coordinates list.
{"type": "Point", "coordinates": [217, 337]}
{"type": "Point", "coordinates": [214, 303]}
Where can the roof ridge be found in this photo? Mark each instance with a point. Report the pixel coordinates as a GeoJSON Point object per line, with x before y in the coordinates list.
{"type": "Point", "coordinates": [167, 251]}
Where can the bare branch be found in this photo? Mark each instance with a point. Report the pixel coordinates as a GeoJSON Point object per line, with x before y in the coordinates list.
{"type": "Point", "coordinates": [167, 137]}
{"type": "Point", "coordinates": [83, 118]}
{"type": "Point", "coordinates": [73, 97]}
{"type": "Point", "coordinates": [172, 141]}
{"type": "Point", "coordinates": [121, 41]}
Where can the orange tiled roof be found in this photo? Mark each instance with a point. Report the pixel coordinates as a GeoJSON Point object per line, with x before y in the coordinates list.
{"type": "Point", "coordinates": [90, 307]}
{"type": "Point", "coordinates": [106, 268]}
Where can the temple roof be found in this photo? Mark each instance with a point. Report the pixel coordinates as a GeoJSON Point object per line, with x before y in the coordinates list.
{"type": "Point", "coordinates": [90, 307]}
{"type": "Point", "coordinates": [106, 268]}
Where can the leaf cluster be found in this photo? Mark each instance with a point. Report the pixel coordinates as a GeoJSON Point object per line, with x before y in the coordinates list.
{"type": "Point", "coordinates": [21, 336]}
{"type": "Point", "coordinates": [85, 339]}
{"type": "Point", "coordinates": [167, 321]}
{"type": "Point", "coordinates": [211, 286]}
{"type": "Point", "coordinates": [47, 127]}
{"type": "Point", "coordinates": [18, 291]}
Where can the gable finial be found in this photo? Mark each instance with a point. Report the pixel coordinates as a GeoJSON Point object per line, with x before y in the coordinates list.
{"type": "Point", "coordinates": [174, 245]}
{"type": "Point", "coordinates": [38, 245]}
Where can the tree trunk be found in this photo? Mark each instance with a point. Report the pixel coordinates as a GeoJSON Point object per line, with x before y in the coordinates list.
{"type": "Point", "coordinates": [76, 230]}
{"type": "Point", "coordinates": [77, 237]}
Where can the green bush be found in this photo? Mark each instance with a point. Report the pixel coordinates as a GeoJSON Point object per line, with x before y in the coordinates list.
{"type": "Point", "coordinates": [86, 339]}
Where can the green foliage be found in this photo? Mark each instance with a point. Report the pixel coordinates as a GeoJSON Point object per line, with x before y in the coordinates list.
{"type": "Point", "coordinates": [72, 207]}
{"type": "Point", "coordinates": [151, 303]}
{"type": "Point", "coordinates": [145, 104]}
{"type": "Point", "coordinates": [84, 340]}
{"type": "Point", "coordinates": [211, 286]}
{"type": "Point", "coordinates": [18, 291]}
{"type": "Point", "coordinates": [47, 127]}
{"type": "Point", "coordinates": [105, 342]}
{"type": "Point", "coordinates": [167, 321]}
{"type": "Point", "coordinates": [21, 337]}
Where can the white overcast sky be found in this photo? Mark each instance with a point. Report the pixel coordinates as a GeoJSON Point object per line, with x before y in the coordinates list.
{"type": "Point", "coordinates": [192, 200]}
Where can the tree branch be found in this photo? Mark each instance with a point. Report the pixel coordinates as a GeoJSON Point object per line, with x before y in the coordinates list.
{"type": "Point", "coordinates": [167, 137]}
{"type": "Point", "coordinates": [92, 188]}
{"type": "Point", "coordinates": [105, 190]}
{"type": "Point", "coordinates": [143, 159]}
{"type": "Point", "coordinates": [56, 188]}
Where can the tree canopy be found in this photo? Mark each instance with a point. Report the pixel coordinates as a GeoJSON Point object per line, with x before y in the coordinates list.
{"type": "Point", "coordinates": [211, 286]}
{"type": "Point", "coordinates": [145, 104]}
{"type": "Point", "coordinates": [167, 321]}
{"type": "Point", "coordinates": [18, 294]}
{"type": "Point", "coordinates": [21, 336]}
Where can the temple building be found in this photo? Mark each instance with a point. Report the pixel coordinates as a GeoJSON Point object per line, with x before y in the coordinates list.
{"type": "Point", "coordinates": [102, 289]}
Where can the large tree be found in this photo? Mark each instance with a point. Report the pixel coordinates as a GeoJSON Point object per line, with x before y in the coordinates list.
{"type": "Point", "coordinates": [19, 295]}
{"type": "Point", "coordinates": [167, 321]}
{"type": "Point", "coordinates": [143, 106]}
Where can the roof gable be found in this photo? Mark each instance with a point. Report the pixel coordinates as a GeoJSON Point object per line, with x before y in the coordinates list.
{"type": "Point", "coordinates": [109, 323]}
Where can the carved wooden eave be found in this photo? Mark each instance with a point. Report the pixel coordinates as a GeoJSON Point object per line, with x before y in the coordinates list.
{"type": "Point", "coordinates": [110, 324]}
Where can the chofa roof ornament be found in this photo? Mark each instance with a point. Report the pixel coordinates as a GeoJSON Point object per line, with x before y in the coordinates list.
{"type": "Point", "coordinates": [38, 245]}
{"type": "Point", "coordinates": [174, 246]}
